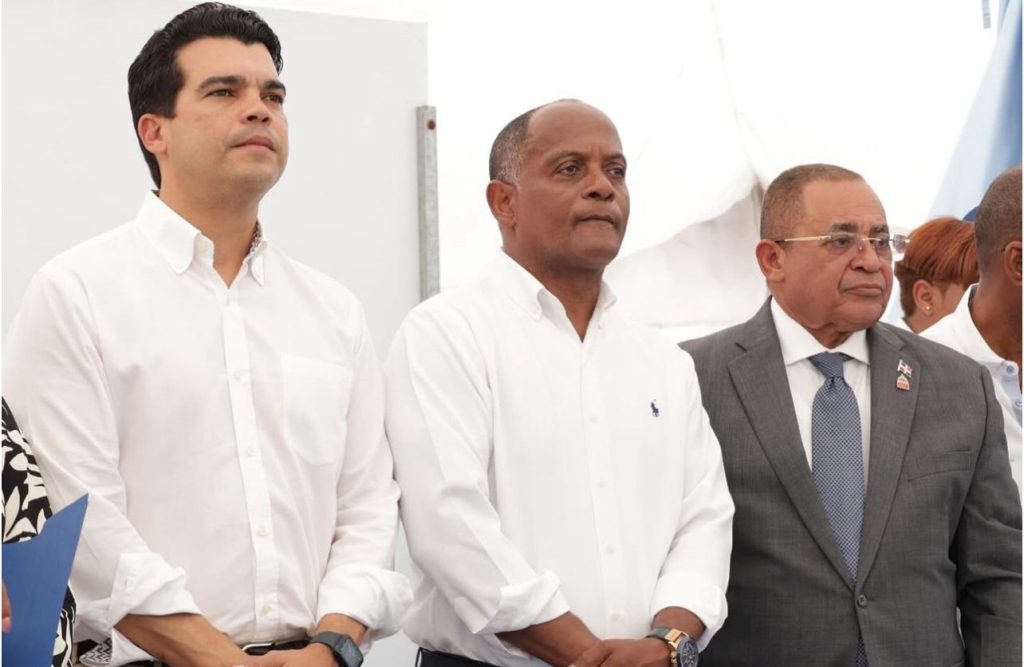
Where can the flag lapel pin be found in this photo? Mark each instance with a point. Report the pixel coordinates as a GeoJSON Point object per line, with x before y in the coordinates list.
{"type": "Point", "coordinates": [904, 371]}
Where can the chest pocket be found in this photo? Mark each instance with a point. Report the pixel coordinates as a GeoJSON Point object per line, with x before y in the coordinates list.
{"type": "Point", "coordinates": [316, 395]}
{"type": "Point", "coordinates": [939, 462]}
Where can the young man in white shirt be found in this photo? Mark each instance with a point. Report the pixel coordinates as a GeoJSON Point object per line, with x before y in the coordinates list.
{"type": "Point", "coordinates": [563, 494]}
{"type": "Point", "coordinates": [220, 403]}
{"type": "Point", "coordinates": [986, 326]}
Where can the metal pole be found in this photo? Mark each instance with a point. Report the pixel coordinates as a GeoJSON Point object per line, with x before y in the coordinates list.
{"type": "Point", "coordinates": [426, 160]}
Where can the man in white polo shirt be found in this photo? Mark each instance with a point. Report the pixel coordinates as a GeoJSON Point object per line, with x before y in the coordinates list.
{"type": "Point", "coordinates": [563, 494]}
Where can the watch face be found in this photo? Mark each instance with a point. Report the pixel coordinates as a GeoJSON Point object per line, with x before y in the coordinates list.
{"type": "Point", "coordinates": [350, 653]}
{"type": "Point", "coordinates": [688, 653]}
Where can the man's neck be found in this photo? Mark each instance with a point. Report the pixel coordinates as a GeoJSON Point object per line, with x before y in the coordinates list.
{"type": "Point", "coordinates": [826, 333]}
{"type": "Point", "coordinates": [228, 224]}
{"type": "Point", "coordinates": [998, 323]}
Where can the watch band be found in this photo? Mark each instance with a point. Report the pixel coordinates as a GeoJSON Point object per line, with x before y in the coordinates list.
{"type": "Point", "coordinates": [671, 637]}
{"type": "Point", "coordinates": [683, 651]}
{"type": "Point", "coordinates": [346, 652]}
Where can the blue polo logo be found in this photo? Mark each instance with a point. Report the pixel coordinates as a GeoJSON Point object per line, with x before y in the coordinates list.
{"type": "Point", "coordinates": [654, 409]}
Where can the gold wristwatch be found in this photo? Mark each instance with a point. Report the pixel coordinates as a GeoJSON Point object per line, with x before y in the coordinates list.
{"type": "Point", "coordinates": [682, 649]}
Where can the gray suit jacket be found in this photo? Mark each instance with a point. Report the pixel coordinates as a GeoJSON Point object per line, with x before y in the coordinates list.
{"type": "Point", "coordinates": [942, 519]}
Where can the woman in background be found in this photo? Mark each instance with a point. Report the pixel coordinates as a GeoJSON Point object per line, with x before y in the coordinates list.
{"type": "Point", "coordinates": [939, 265]}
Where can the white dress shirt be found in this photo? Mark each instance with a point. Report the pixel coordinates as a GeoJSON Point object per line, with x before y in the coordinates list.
{"type": "Point", "coordinates": [542, 474]}
{"type": "Point", "coordinates": [230, 438]}
{"type": "Point", "coordinates": [798, 345]}
{"type": "Point", "coordinates": [958, 331]}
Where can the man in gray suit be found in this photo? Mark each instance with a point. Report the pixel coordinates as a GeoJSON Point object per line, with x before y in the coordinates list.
{"type": "Point", "coordinates": [868, 466]}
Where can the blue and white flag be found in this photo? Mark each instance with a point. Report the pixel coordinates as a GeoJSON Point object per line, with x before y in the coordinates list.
{"type": "Point", "coordinates": [991, 139]}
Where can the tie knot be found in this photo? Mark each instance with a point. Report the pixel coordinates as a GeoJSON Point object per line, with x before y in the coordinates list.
{"type": "Point", "coordinates": [830, 363]}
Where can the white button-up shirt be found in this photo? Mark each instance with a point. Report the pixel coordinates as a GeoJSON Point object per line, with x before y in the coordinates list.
{"type": "Point", "coordinates": [958, 331]}
{"type": "Point", "coordinates": [798, 345]}
{"type": "Point", "coordinates": [542, 474]}
{"type": "Point", "coordinates": [230, 439]}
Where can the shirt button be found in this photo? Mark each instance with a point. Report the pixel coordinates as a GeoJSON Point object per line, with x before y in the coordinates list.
{"type": "Point", "coordinates": [250, 452]}
{"type": "Point", "coordinates": [1018, 403]}
{"type": "Point", "coordinates": [616, 616]}
{"type": "Point", "coordinates": [263, 531]}
{"type": "Point", "coordinates": [862, 601]}
{"type": "Point", "coordinates": [602, 484]}
{"type": "Point", "coordinates": [593, 419]}
{"type": "Point", "coordinates": [238, 375]}
{"type": "Point", "coordinates": [1010, 369]}
{"type": "Point", "coordinates": [610, 548]}
{"type": "Point", "coordinates": [266, 608]}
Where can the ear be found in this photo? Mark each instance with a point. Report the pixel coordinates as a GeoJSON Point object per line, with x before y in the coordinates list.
{"type": "Point", "coordinates": [152, 133]}
{"type": "Point", "coordinates": [771, 257]}
{"type": "Point", "coordinates": [501, 197]}
{"type": "Point", "coordinates": [924, 296]}
{"type": "Point", "coordinates": [1012, 262]}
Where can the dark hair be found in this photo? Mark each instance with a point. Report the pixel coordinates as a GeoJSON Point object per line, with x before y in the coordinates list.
{"type": "Point", "coordinates": [155, 78]}
{"type": "Point", "coordinates": [942, 252]}
{"type": "Point", "coordinates": [509, 147]}
{"type": "Point", "coordinates": [998, 220]}
{"type": "Point", "coordinates": [783, 204]}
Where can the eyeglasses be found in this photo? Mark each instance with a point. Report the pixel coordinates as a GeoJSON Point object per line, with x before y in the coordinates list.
{"type": "Point", "coordinates": [841, 242]}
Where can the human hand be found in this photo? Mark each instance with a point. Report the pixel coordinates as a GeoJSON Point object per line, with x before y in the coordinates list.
{"type": "Point", "coordinates": [647, 652]}
{"type": "Point", "coordinates": [314, 655]}
{"type": "Point", "coordinates": [7, 611]}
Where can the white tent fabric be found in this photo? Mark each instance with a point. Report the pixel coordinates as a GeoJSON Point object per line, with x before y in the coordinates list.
{"type": "Point", "coordinates": [875, 87]}
{"type": "Point", "coordinates": [700, 280]}
{"type": "Point", "coordinates": [711, 97]}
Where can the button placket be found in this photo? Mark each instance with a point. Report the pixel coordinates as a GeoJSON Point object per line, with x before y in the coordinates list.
{"type": "Point", "coordinates": [254, 482]}
{"type": "Point", "coordinates": [601, 470]}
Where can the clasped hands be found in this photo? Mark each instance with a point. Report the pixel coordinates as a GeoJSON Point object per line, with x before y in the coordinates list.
{"type": "Point", "coordinates": [314, 655]}
{"type": "Point", "coordinates": [646, 652]}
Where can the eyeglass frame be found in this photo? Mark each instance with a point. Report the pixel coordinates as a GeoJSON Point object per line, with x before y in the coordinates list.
{"type": "Point", "coordinates": [896, 243]}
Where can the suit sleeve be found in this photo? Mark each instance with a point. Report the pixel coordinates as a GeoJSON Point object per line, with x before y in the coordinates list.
{"type": "Point", "coordinates": [987, 550]}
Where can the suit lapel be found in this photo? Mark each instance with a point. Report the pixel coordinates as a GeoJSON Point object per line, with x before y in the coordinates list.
{"type": "Point", "coordinates": [892, 412]}
{"type": "Point", "coordinates": [759, 376]}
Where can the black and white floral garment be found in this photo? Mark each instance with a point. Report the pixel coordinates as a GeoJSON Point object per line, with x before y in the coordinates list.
{"type": "Point", "coordinates": [26, 509]}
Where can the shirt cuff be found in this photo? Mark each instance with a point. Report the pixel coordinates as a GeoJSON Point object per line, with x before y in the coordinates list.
{"type": "Point", "coordinates": [694, 594]}
{"type": "Point", "coordinates": [520, 605]}
{"type": "Point", "coordinates": [375, 597]}
{"type": "Point", "coordinates": [143, 583]}
{"type": "Point", "coordinates": [123, 651]}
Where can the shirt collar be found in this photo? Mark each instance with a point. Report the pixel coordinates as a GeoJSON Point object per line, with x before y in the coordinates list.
{"type": "Point", "coordinates": [966, 331]}
{"type": "Point", "coordinates": [798, 343]}
{"type": "Point", "coordinates": [530, 294]}
{"type": "Point", "coordinates": [179, 242]}
{"type": "Point", "coordinates": [173, 237]}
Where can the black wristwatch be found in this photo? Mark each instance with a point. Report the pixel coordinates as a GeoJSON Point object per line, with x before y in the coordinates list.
{"type": "Point", "coordinates": [345, 651]}
{"type": "Point", "coordinates": [683, 651]}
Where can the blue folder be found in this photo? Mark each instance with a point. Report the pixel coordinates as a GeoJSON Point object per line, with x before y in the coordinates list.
{"type": "Point", "coordinates": [36, 574]}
